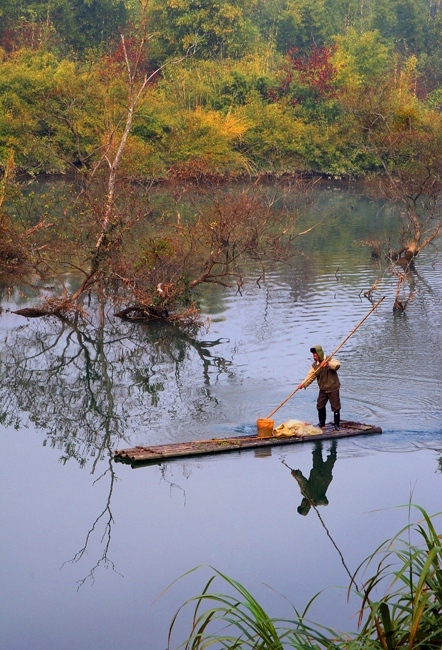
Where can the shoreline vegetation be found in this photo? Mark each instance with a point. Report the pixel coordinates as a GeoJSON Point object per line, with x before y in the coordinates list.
{"type": "Point", "coordinates": [217, 91]}
{"type": "Point", "coordinates": [401, 603]}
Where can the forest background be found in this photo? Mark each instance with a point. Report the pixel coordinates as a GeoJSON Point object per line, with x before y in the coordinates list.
{"type": "Point", "coordinates": [120, 96]}
{"type": "Point", "coordinates": [266, 86]}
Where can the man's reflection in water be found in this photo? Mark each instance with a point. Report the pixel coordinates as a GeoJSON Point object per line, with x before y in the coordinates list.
{"type": "Point", "coordinates": [314, 488]}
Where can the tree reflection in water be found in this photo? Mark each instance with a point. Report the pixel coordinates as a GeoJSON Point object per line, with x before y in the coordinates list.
{"type": "Point", "coordinates": [90, 386]}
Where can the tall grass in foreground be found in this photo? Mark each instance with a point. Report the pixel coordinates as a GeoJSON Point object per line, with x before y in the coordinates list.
{"type": "Point", "coordinates": [401, 605]}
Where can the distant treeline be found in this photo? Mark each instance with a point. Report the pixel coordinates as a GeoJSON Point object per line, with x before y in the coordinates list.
{"type": "Point", "coordinates": [266, 86]}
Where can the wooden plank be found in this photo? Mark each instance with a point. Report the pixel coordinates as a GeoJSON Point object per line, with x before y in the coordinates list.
{"type": "Point", "coordinates": [158, 453]}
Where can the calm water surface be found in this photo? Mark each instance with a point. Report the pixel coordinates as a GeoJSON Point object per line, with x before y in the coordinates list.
{"type": "Point", "coordinates": [88, 548]}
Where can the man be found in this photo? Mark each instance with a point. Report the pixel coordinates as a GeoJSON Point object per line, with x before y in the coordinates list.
{"type": "Point", "coordinates": [325, 371]}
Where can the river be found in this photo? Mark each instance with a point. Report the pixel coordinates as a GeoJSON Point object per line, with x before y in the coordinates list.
{"type": "Point", "coordinates": [90, 547]}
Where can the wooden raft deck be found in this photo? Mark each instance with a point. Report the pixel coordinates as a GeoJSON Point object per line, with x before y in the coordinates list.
{"type": "Point", "coordinates": [158, 453]}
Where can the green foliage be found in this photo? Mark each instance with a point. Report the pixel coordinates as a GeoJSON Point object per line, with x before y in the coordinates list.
{"type": "Point", "coordinates": [409, 614]}
{"type": "Point", "coordinates": [238, 104]}
{"type": "Point", "coordinates": [401, 605]}
{"type": "Point", "coordinates": [202, 139]}
{"type": "Point", "coordinates": [276, 137]}
{"type": "Point", "coordinates": [361, 57]}
{"type": "Point", "coordinates": [210, 30]}
{"type": "Point", "coordinates": [434, 100]}
{"type": "Point", "coordinates": [47, 110]}
{"type": "Point", "coordinates": [85, 23]}
{"type": "Point", "coordinates": [75, 25]}
{"type": "Point", "coordinates": [217, 86]}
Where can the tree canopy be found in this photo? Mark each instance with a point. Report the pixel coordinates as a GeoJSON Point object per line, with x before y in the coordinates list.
{"type": "Point", "coordinates": [264, 87]}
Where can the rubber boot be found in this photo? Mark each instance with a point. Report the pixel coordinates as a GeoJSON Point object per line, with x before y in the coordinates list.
{"type": "Point", "coordinates": [337, 420]}
{"type": "Point", "coordinates": [322, 413]}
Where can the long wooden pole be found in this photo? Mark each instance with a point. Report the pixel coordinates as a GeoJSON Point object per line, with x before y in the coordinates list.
{"type": "Point", "coordinates": [331, 355]}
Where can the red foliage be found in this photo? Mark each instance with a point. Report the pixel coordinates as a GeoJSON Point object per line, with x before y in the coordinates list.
{"type": "Point", "coordinates": [117, 58]}
{"type": "Point", "coordinates": [27, 34]}
{"type": "Point", "coordinates": [132, 45]}
{"type": "Point", "coordinates": [316, 70]}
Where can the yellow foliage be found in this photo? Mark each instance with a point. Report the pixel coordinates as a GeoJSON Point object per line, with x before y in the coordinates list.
{"type": "Point", "coordinates": [408, 75]}
{"type": "Point", "coordinates": [359, 56]}
{"type": "Point", "coordinates": [65, 70]}
{"type": "Point", "coordinates": [229, 127]}
{"type": "Point", "coordinates": [346, 75]}
{"type": "Point", "coordinates": [408, 115]}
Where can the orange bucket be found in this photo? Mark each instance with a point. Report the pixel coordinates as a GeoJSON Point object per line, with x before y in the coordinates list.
{"type": "Point", "coordinates": [265, 427]}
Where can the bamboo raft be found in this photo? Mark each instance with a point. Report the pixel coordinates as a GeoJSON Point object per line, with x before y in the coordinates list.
{"type": "Point", "coordinates": [158, 453]}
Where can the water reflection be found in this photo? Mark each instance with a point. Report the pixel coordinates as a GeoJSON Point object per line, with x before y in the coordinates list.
{"type": "Point", "coordinates": [102, 526]}
{"type": "Point", "coordinates": [89, 387]}
{"type": "Point", "coordinates": [314, 488]}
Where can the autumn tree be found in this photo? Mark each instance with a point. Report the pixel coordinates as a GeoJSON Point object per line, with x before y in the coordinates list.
{"type": "Point", "coordinates": [223, 233]}
{"type": "Point", "coordinates": [405, 141]}
{"type": "Point", "coordinates": [103, 216]}
{"type": "Point", "coordinates": [316, 71]}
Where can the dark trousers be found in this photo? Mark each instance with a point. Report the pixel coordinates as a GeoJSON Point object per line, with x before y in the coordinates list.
{"type": "Point", "coordinates": [332, 397]}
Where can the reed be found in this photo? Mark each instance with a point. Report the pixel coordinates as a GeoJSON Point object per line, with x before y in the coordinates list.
{"type": "Point", "coordinates": [401, 604]}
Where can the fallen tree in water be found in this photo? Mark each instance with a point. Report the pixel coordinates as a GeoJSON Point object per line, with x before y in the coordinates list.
{"type": "Point", "coordinates": [151, 269]}
{"type": "Point", "coordinates": [405, 139]}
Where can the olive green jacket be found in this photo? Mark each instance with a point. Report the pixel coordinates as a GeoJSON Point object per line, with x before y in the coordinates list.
{"type": "Point", "coordinates": [327, 377]}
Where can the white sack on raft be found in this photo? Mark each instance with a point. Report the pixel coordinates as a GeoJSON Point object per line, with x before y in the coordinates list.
{"type": "Point", "coordinates": [296, 428]}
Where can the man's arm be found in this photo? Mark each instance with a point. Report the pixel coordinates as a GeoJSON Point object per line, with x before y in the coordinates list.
{"type": "Point", "coordinates": [311, 376]}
